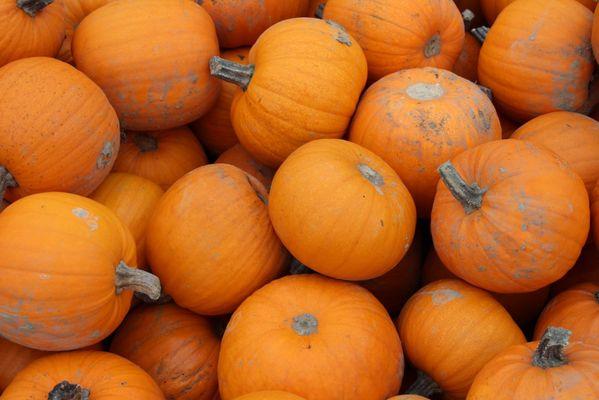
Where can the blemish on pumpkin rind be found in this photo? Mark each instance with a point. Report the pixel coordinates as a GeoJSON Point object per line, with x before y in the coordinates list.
{"type": "Point", "coordinates": [90, 220]}
{"type": "Point", "coordinates": [342, 36]}
{"type": "Point", "coordinates": [443, 296]}
{"type": "Point", "coordinates": [105, 155]}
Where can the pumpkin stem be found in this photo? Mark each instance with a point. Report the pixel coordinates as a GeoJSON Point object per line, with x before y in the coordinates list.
{"type": "Point", "coordinates": [371, 175]}
{"type": "Point", "coordinates": [550, 352]}
{"type": "Point", "coordinates": [486, 91]}
{"type": "Point", "coordinates": [68, 391]}
{"type": "Point", "coordinates": [128, 278]}
{"type": "Point", "coordinates": [229, 71]}
{"type": "Point", "coordinates": [469, 196]}
{"type": "Point", "coordinates": [320, 10]}
{"type": "Point", "coordinates": [433, 46]}
{"type": "Point", "coordinates": [305, 324]}
{"type": "Point", "coordinates": [467, 17]}
{"type": "Point", "coordinates": [424, 386]}
{"type": "Point", "coordinates": [145, 142]}
{"type": "Point", "coordinates": [6, 181]}
{"type": "Point", "coordinates": [32, 7]}
{"type": "Point", "coordinates": [480, 33]}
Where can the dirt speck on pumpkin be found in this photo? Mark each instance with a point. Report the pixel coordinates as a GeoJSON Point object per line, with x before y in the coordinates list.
{"type": "Point", "coordinates": [443, 296]}
{"type": "Point", "coordinates": [90, 220]}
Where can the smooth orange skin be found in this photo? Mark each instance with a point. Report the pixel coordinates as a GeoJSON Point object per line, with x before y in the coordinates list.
{"type": "Point", "coordinates": [450, 330]}
{"type": "Point", "coordinates": [290, 102]}
{"type": "Point", "coordinates": [492, 8]}
{"type": "Point", "coordinates": [508, 127]}
{"type": "Point", "coordinates": [178, 153]}
{"type": "Point", "coordinates": [209, 255]}
{"type": "Point", "coordinates": [59, 256]}
{"type": "Point", "coordinates": [106, 375]}
{"type": "Point", "coordinates": [466, 65]}
{"type": "Point", "coordinates": [532, 225]}
{"type": "Point", "coordinates": [511, 375]}
{"type": "Point", "coordinates": [151, 59]}
{"type": "Point", "coordinates": [177, 348]}
{"type": "Point", "coordinates": [533, 63]}
{"type": "Point", "coordinates": [314, 192]}
{"type": "Point", "coordinates": [394, 33]}
{"type": "Point", "coordinates": [586, 270]}
{"type": "Point", "coordinates": [414, 135]}
{"type": "Point", "coordinates": [270, 395]}
{"type": "Point", "coordinates": [239, 157]}
{"type": "Point", "coordinates": [133, 199]}
{"type": "Point", "coordinates": [58, 132]}
{"type": "Point", "coordinates": [352, 325]}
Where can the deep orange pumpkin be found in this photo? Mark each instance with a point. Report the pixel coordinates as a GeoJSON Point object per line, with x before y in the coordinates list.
{"type": "Point", "coordinates": [270, 395]}
{"type": "Point", "coordinates": [239, 157]}
{"type": "Point", "coordinates": [586, 270]}
{"type": "Point", "coordinates": [492, 8]}
{"type": "Point", "coordinates": [466, 65]}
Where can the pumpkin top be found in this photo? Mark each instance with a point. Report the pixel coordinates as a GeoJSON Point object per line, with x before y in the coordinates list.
{"type": "Point", "coordinates": [33, 7]}
{"type": "Point", "coordinates": [550, 351]}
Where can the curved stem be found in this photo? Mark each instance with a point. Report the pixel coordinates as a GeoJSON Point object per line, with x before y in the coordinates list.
{"type": "Point", "coordinates": [480, 33]}
{"type": "Point", "coordinates": [6, 181]}
{"type": "Point", "coordinates": [229, 71]}
{"type": "Point", "coordinates": [145, 142]}
{"type": "Point", "coordinates": [68, 391]}
{"type": "Point", "coordinates": [550, 352]}
{"type": "Point", "coordinates": [127, 278]}
{"type": "Point", "coordinates": [32, 7]}
{"type": "Point", "coordinates": [467, 17]}
{"type": "Point", "coordinates": [424, 386]}
{"type": "Point", "coordinates": [469, 196]}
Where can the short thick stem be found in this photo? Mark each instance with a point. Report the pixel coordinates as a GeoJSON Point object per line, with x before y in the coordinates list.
{"type": "Point", "coordinates": [145, 143]}
{"type": "Point", "coordinates": [480, 33]}
{"type": "Point", "coordinates": [469, 196]}
{"type": "Point", "coordinates": [433, 46]}
{"type": "Point", "coordinates": [229, 71]}
{"type": "Point", "coordinates": [32, 7]}
{"type": "Point", "coordinates": [6, 181]}
{"type": "Point", "coordinates": [305, 324]}
{"type": "Point", "coordinates": [68, 391]}
{"type": "Point", "coordinates": [127, 278]}
{"type": "Point", "coordinates": [424, 386]}
{"type": "Point", "coordinates": [467, 17]}
{"type": "Point", "coordinates": [550, 352]}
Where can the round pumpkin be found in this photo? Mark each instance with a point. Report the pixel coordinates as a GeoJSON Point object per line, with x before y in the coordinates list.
{"type": "Point", "coordinates": [68, 272]}
{"type": "Point", "coordinates": [401, 34]}
{"type": "Point", "coordinates": [417, 119]}
{"type": "Point", "coordinates": [586, 270]}
{"type": "Point", "coordinates": [314, 192]}
{"type": "Point", "coordinates": [270, 395]}
{"type": "Point", "coordinates": [239, 157]}
{"type": "Point", "coordinates": [161, 156]}
{"type": "Point", "coordinates": [553, 368]}
{"type": "Point", "coordinates": [509, 217]}
{"type": "Point", "coordinates": [450, 330]}
{"type": "Point", "coordinates": [153, 81]}
{"type": "Point", "coordinates": [492, 8]}
{"type": "Point", "coordinates": [287, 99]}
{"type": "Point", "coordinates": [466, 65]}
{"type": "Point", "coordinates": [177, 348]}
{"type": "Point", "coordinates": [532, 64]}
{"type": "Point", "coordinates": [294, 325]}
{"type": "Point", "coordinates": [209, 254]}
{"type": "Point", "coordinates": [58, 132]}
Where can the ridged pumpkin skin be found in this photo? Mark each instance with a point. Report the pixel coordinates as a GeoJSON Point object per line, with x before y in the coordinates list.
{"type": "Point", "coordinates": [239, 157]}
{"type": "Point", "coordinates": [492, 8]}
{"type": "Point", "coordinates": [106, 376]}
{"type": "Point", "coordinates": [153, 81]}
{"type": "Point", "coordinates": [177, 348]}
{"type": "Point", "coordinates": [161, 156]}
{"type": "Point", "coordinates": [209, 255]}
{"type": "Point", "coordinates": [22, 35]}
{"type": "Point", "coordinates": [401, 34]}
{"type": "Point", "coordinates": [586, 270]}
{"type": "Point", "coordinates": [533, 63]}
{"type": "Point", "coordinates": [530, 224]}
{"type": "Point", "coordinates": [293, 325]}
{"type": "Point", "coordinates": [466, 65]}
{"type": "Point", "coordinates": [450, 330]}
{"type": "Point", "coordinates": [315, 190]}
{"type": "Point", "coordinates": [58, 132]}
{"type": "Point", "coordinates": [417, 119]}
{"type": "Point", "coordinates": [270, 395]}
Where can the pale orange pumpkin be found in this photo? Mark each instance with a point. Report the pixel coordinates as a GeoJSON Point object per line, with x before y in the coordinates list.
{"type": "Point", "coordinates": [239, 157]}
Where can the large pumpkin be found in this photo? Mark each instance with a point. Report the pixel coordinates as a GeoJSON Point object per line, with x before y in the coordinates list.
{"type": "Point", "coordinates": [509, 217]}
{"type": "Point", "coordinates": [417, 119]}
{"type": "Point", "coordinates": [532, 64]}
{"type": "Point", "coordinates": [211, 241]}
{"type": "Point", "coordinates": [68, 272]}
{"type": "Point", "coordinates": [57, 131]}
{"type": "Point", "coordinates": [288, 99]}
{"type": "Point", "coordinates": [239, 157]}
{"type": "Point", "coordinates": [492, 8]}
{"type": "Point", "coordinates": [177, 348]}
{"type": "Point", "coordinates": [450, 330]}
{"type": "Point", "coordinates": [316, 337]}
{"type": "Point", "coordinates": [586, 270]}
{"type": "Point", "coordinates": [270, 395]}
{"type": "Point", "coordinates": [401, 34]}
{"type": "Point", "coordinates": [153, 81]}
{"type": "Point", "coordinates": [314, 192]}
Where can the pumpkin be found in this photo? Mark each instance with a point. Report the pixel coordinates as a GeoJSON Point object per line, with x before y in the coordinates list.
{"type": "Point", "coordinates": [241, 23]}
{"type": "Point", "coordinates": [177, 348]}
{"type": "Point", "coordinates": [82, 375]}
{"type": "Point", "coordinates": [532, 64]}
{"type": "Point", "coordinates": [401, 34]}
{"type": "Point", "coordinates": [507, 127]}
{"type": "Point", "coordinates": [57, 132]}
{"type": "Point", "coordinates": [322, 183]}
{"type": "Point", "coordinates": [586, 270]}
{"type": "Point", "coordinates": [212, 256]}
{"type": "Point", "coordinates": [161, 156]}
{"type": "Point", "coordinates": [595, 212]}
{"type": "Point", "coordinates": [475, 7]}
{"type": "Point", "coordinates": [293, 325]}
{"type": "Point", "coordinates": [417, 119]}
{"type": "Point", "coordinates": [552, 368]}
{"type": "Point", "coordinates": [30, 28]}
{"type": "Point", "coordinates": [450, 330]}
{"type": "Point", "coordinates": [239, 157]}
{"type": "Point", "coordinates": [68, 272]}
{"type": "Point", "coordinates": [133, 199]}
{"type": "Point", "coordinates": [509, 217]}
{"type": "Point", "coordinates": [270, 395]}
{"type": "Point", "coordinates": [408, 397]}
{"type": "Point", "coordinates": [153, 81]}
{"type": "Point", "coordinates": [466, 65]}
{"type": "Point", "coordinates": [315, 8]}
{"type": "Point", "coordinates": [286, 102]}
{"type": "Point", "coordinates": [492, 8]}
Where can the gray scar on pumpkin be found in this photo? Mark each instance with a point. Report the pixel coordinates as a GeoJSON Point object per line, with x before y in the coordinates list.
{"type": "Point", "coordinates": [443, 296]}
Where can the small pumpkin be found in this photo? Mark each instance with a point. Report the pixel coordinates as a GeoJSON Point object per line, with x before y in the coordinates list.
{"type": "Point", "coordinates": [270, 395]}
{"type": "Point", "coordinates": [466, 65]}
{"type": "Point", "coordinates": [586, 270]}
{"type": "Point", "coordinates": [293, 325]}
{"type": "Point", "coordinates": [239, 157]}
{"type": "Point", "coordinates": [492, 8]}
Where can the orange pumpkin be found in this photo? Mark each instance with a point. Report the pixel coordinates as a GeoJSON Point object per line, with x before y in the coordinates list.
{"type": "Point", "coordinates": [288, 99]}
{"type": "Point", "coordinates": [211, 257]}
{"type": "Point", "coordinates": [595, 212]}
{"type": "Point", "coordinates": [553, 368]}
{"type": "Point", "coordinates": [162, 156]}
{"type": "Point", "coordinates": [532, 64]}
{"type": "Point", "coordinates": [466, 65]}
{"type": "Point", "coordinates": [509, 217]}
{"type": "Point", "coordinates": [68, 272]}
{"type": "Point", "coordinates": [239, 157]}
{"type": "Point", "coordinates": [492, 8]}
{"type": "Point", "coordinates": [177, 348]}
{"type": "Point", "coordinates": [57, 132]}
{"type": "Point", "coordinates": [292, 327]}
{"type": "Point", "coordinates": [270, 395]}
{"type": "Point", "coordinates": [586, 270]}
{"type": "Point", "coordinates": [322, 183]}
{"type": "Point", "coordinates": [153, 81]}
{"type": "Point", "coordinates": [417, 119]}
{"type": "Point", "coordinates": [401, 34]}
{"type": "Point", "coordinates": [450, 330]}
{"type": "Point", "coordinates": [507, 127]}
{"type": "Point", "coordinates": [408, 397]}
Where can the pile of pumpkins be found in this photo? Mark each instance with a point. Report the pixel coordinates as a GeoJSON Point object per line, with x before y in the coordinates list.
{"type": "Point", "coordinates": [294, 199]}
